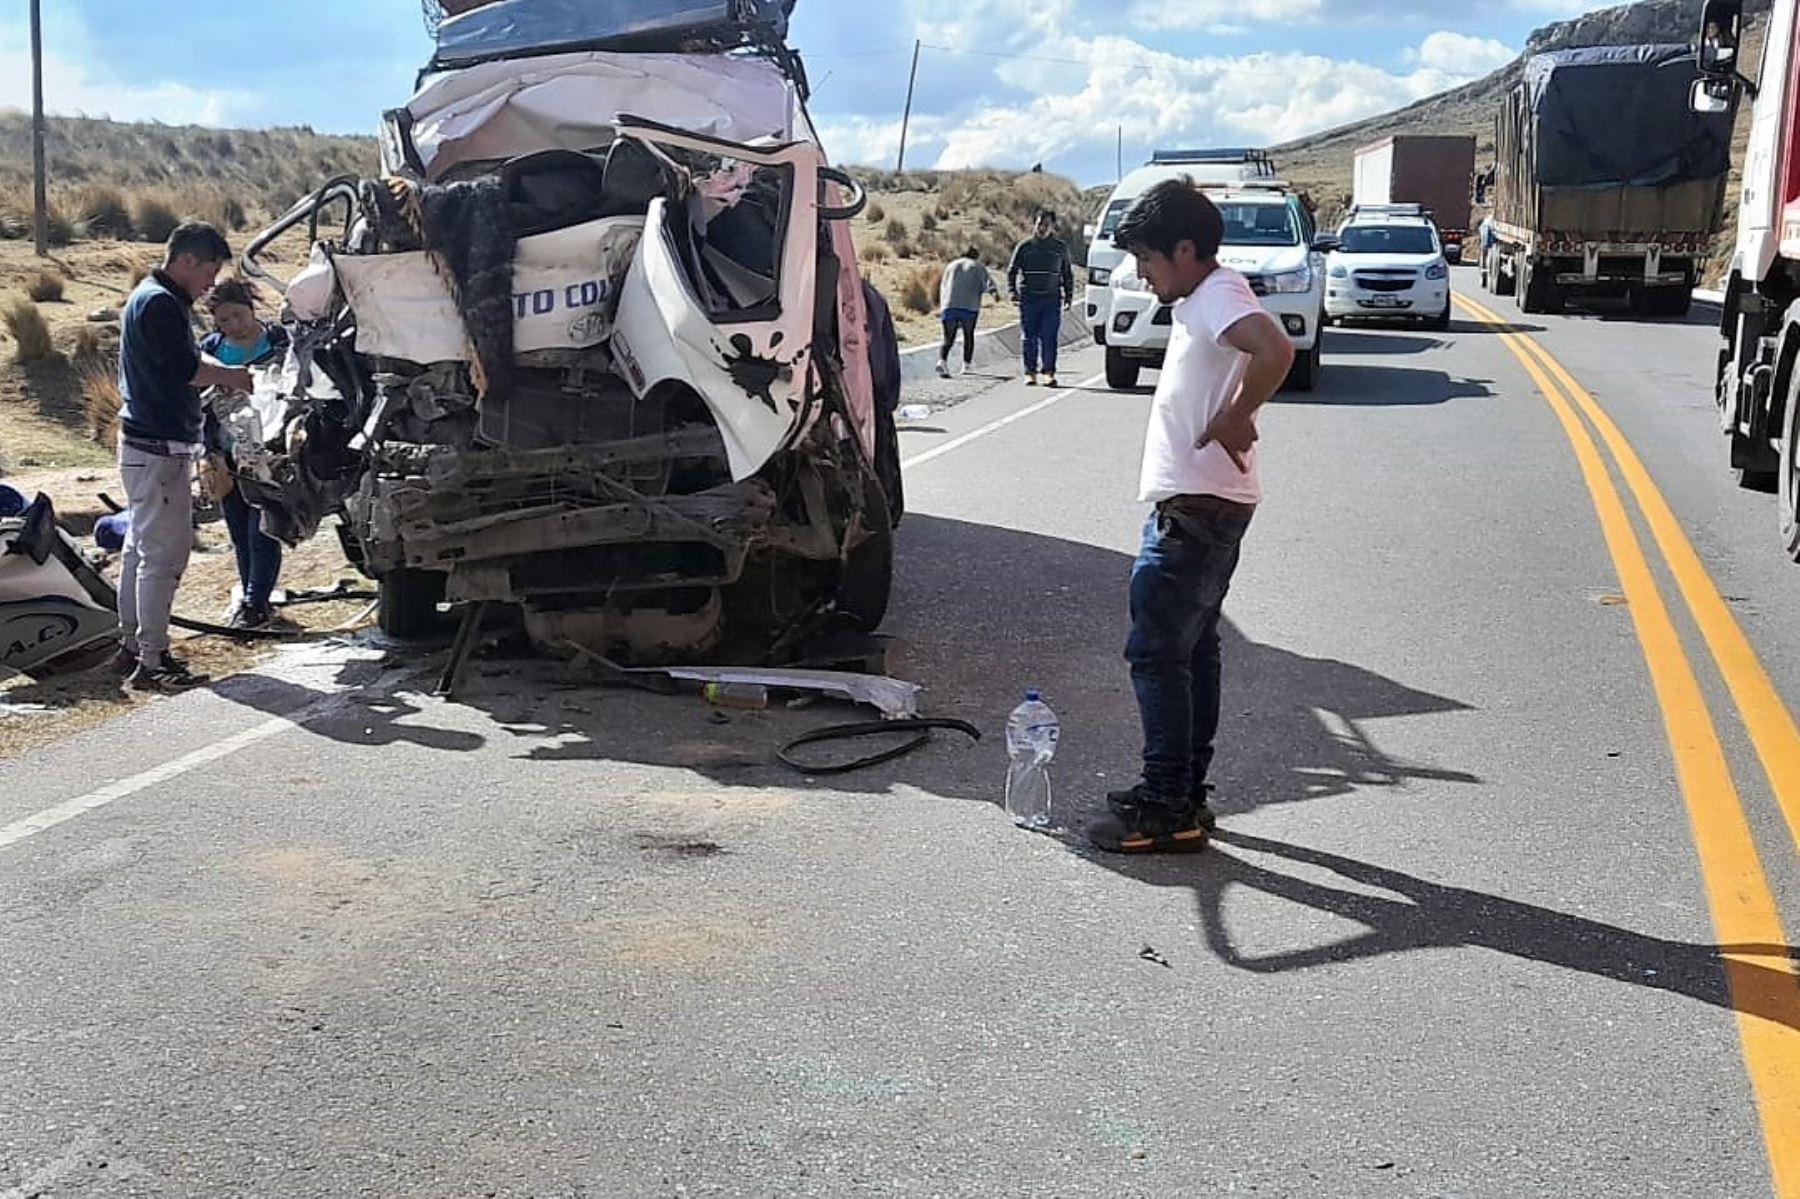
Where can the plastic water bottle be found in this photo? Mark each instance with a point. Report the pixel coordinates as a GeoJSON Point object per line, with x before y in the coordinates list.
{"type": "Point", "coordinates": [912, 414]}
{"type": "Point", "coordinates": [1031, 735]}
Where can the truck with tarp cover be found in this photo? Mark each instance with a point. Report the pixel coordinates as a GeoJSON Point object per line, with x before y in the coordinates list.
{"type": "Point", "coordinates": [1605, 182]}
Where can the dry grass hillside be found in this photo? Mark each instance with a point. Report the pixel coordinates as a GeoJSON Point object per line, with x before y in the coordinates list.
{"type": "Point", "coordinates": [110, 179]}
{"type": "Point", "coordinates": [1322, 164]}
{"type": "Point", "coordinates": [918, 221]}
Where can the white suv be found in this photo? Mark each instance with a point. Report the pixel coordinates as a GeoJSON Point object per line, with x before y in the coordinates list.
{"type": "Point", "coordinates": [1269, 236]}
{"type": "Point", "coordinates": [1388, 266]}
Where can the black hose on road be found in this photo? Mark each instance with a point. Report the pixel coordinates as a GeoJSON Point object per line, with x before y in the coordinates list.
{"type": "Point", "coordinates": [920, 726]}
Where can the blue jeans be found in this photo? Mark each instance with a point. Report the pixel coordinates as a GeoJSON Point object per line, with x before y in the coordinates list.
{"type": "Point", "coordinates": [1040, 324]}
{"type": "Point", "coordinates": [258, 554]}
{"type": "Point", "coordinates": [1178, 587]}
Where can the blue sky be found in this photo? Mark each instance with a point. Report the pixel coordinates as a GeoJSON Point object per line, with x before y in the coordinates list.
{"type": "Point", "coordinates": [1005, 83]}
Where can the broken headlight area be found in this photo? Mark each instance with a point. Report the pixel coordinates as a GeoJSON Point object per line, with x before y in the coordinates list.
{"type": "Point", "coordinates": [606, 386]}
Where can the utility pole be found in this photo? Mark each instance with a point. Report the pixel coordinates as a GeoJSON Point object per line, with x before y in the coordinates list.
{"type": "Point", "coordinates": [40, 203]}
{"type": "Point", "coordinates": [905, 117]}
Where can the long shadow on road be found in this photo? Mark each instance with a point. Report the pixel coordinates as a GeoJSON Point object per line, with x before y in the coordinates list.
{"type": "Point", "coordinates": [1427, 915]}
{"type": "Point", "coordinates": [1366, 385]}
{"type": "Point", "coordinates": [987, 612]}
{"type": "Point", "coordinates": [984, 613]}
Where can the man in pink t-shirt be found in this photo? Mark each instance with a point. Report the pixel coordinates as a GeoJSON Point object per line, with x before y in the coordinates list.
{"type": "Point", "coordinates": [1226, 357]}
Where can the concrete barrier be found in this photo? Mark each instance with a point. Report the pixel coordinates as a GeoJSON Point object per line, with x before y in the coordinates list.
{"type": "Point", "coordinates": [993, 347]}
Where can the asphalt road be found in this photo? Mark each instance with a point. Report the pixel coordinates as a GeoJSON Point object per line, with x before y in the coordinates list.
{"type": "Point", "coordinates": [318, 934]}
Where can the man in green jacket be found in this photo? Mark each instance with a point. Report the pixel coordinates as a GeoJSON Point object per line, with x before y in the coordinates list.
{"type": "Point", "coordinates": [1041, 280]}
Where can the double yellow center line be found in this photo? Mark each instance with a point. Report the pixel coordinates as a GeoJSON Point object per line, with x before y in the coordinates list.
{"type": "Point", "coordinates": [1759, 970]}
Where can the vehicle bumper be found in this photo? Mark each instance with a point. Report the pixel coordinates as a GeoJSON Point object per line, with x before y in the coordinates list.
{"type": "Point", "coordinates": [1428, 298]}
{"type": "Point", "coordinates": [494, 521]}
{"type": "Point", "coordinates": [1098, 310]}
{"type": "Point", "coordinates": [1139, 326]}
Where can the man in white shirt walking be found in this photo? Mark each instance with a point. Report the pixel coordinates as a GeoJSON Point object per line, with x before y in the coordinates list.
{"type": "Point", "coordinates": [1226, 357]}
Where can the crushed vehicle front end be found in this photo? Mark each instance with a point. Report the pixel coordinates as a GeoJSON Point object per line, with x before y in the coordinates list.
{"type": "Point", "coordinates": [614, 370]}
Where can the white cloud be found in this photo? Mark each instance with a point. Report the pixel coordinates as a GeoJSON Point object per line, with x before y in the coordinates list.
{"type": "Point", "coordinates": [1074, 113]}
{"type": "Point", "coordinates": [1210, 16]}
{"type": "Point", "coordinates": [1460, 54]}
{"type": "Point", "coordinates": [71, 87]}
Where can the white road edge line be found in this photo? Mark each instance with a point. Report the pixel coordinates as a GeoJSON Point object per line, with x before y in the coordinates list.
{"type": "Point", "coordinates": [956, 443]}
{"type": "Point", "coordinates": [50, 817]}
{"type": "Point", "coordinates": [69, 809]}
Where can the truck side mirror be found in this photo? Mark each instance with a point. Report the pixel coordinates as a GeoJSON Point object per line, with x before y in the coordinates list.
{"type": "Point", "coordinates": [1721, 31]}
{"type": "Point", "coordinates": [1710, 97]}
{"type": "Point", "coordinates": [1326, 244]}
{"type": "Point", "coordinates": [1088, 231]}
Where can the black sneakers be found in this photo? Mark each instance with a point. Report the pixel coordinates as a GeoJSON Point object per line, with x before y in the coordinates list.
{"type": "Point", "coordinates": [167, 677]}
{"type": "Point", "coordinates": [1143, 821]}
{"type": "Point", "coordinates": [252, 616]}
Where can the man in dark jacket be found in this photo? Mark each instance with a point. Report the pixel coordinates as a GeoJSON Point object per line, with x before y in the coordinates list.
{"type": "Point", "coordinates": [1042, 281]}
{"type": "Point", "coordinates": [159, 440]}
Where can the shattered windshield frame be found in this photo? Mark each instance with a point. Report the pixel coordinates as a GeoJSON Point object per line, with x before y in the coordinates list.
{"type": "Point", "coordinates": [710, 280]}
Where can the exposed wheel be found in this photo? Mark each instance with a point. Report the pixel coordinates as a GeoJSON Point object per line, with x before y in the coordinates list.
{"type": "Point", "coordinates": [1304, 374]}
{"type": "Point", "coordinates": [1789, 473]}
{"type": "Point", "coordinates": [1676, 301]}
{"type": "Point", "coordinates": [867, 580]}
{"type": "Point", "coordinates": [1121, 372]}
{"type": "Point", "coordinates": [1525, 292]}
{"type": "Point", "coordinates": [1765, 481]}
{"type": "Point", "coordinates": [1538, 292]}
{"type": "Point", "coordinates": [887, 464]}
{"type": "Point", "coordinates": [1505, 284]}
{"type": "Point", "coordinates": [1441, 321]}
{"type": "Point", "coordinates": [407, 603]}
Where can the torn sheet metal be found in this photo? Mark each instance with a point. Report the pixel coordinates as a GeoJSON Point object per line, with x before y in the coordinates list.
{"type": "Point", "coordinates": [895, 699]}
{"type": "Point", "coordinates": [499, 110]}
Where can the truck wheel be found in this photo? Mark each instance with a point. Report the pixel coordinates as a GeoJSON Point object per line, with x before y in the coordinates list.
{"type": "Point", "coordinates": [407, 603]}
{"type": "Point", "coordinates": [1538, 292]}
{"type": "Point", "coordinates": [1121, 372]}
{"type": "Point", "coordinates": [887, 464]}
{"type": "Point", "coordinates": [1504, 284]}
{"type": "Point", "coordinates": [1526, 290]}
{"type": "Point", "coordinates": [1676, 301]}
{"type": "Point", "coordinates": [868, 577]}
{"type": "Point", "coordinates": [1304, 374]}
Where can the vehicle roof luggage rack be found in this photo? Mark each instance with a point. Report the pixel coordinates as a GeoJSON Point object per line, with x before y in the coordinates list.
{"type": "Point", "coordinates": [1418, 210]}
{"type": "Point", "coordinates": [1171, 157]}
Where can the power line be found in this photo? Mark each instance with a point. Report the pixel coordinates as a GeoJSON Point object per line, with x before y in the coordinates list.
{"type": "Point", "coordinates": [1067, 62]}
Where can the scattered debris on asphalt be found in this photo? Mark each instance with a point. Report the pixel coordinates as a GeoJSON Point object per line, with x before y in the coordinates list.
{"type": "Point", "coordinates": [920, 728]}
{"type": "Point", "coordinates": [1149, 954]}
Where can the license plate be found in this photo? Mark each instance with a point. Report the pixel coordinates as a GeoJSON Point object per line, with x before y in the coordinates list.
{"type": "Point", "coordinates": [1383, 302]}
